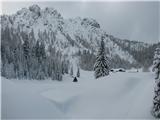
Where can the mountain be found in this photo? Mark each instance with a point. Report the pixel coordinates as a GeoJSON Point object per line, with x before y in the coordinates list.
{"type": "Point", "coordinates": [71, 36]}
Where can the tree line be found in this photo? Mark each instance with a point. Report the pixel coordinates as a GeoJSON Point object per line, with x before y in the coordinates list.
{"type": "Point", "coordinates": [24, 57]}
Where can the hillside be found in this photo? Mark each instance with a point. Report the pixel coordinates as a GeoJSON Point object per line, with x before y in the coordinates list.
{"type": "Point", "coordinates": [68, 35]}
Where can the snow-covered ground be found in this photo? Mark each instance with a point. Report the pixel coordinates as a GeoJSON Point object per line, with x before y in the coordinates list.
{"type": "Point", "coordinates": [119, 95]}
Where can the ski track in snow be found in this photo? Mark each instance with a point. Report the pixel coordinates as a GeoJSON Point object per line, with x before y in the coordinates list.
{"type": "Point", "coordinates": [119, 95]}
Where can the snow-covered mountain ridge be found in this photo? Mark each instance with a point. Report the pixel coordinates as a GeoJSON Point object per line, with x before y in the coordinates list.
{"type": "Point", "coordinates": [66, 35]}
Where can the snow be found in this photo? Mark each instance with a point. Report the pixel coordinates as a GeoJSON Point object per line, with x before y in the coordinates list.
{"type": "Point", "coordinates": [50, 20]}
{"type": "Point", "coordinates": [118, 96]}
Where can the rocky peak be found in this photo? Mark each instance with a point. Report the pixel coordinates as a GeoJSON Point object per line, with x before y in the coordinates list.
{"type": "Point", "coordinates": [53, 12]}
{"type": "Point", "coordinates": [91, 22]}
{"type": "Point", "coordinates": [35, 8]}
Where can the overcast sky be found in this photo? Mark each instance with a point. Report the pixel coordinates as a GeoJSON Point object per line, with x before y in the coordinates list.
{"type": "Point", "coordinates": [127, 20]}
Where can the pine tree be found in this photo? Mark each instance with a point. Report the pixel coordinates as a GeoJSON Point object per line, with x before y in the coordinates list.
{"type": "Point", "coordinates": [156, 61]}
{"type": "Point", "coordinates": [71, 71]}
{"type": "Point", "coordinates": [101, 66]}
{"type": "Point", "coordinates": [59, 75]}
{"type": "Point", "coordinates": [78, 72]}
{"type": "Point", "coordinates": [26, 53]}
{"type": "Point", "coordinates": [37, 50]}
{"type": "Point", "coordinates": [42, 51]}
{"type": "Point", "coordinates": [156, 99]}
{"type": "Point", "coordinates": [41, 57]}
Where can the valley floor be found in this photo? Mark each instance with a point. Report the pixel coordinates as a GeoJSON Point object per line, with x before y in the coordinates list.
{"type": "Point", "coordinates": [119, 95]}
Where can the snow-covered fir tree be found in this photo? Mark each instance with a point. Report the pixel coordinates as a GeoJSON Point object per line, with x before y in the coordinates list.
{"type": "Point", "coordinates": [87, 60]}
{"type": "Point", "coordinates": [101, 66]}
{"type": "Point", "coordinates": [78, 72]}
{"type": "Point", "coordinates": [156, 99]}
{"type": "Point", "coordinates": [26, 53]}
{"type": "Point", "coordinates": [156, 61]}
{"type": "Point", "coordinates": [71, 71]}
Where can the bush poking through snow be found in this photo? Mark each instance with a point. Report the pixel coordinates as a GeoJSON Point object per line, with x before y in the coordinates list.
{"type": "Point", "coordinates": [75, 79]}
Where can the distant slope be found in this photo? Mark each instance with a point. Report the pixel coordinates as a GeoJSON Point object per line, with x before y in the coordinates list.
{"type": "Point", "coordinates": [69, 36]}
{"type": "Point", "coordinates": [142, 52]}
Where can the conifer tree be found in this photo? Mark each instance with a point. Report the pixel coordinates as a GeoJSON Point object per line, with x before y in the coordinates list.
{"type": "Point", "coordinates": [71, 71]}
{"type": "Point", "coordinates": [26, 53]}
{"type": "Point", "coordinates": [78, 72]}
{"type": "Point", "coordinates": [101, 66]}
{"type": "Point", "coordinates": [156, 99]}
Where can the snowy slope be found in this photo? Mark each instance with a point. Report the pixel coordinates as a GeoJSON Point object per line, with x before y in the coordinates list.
{"type": "Point", "coordinates": [120, 95]}
{"type": "Point", "coordinates": [66, 35]}
{"type": "Point", "coordinates": [132, 45]}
